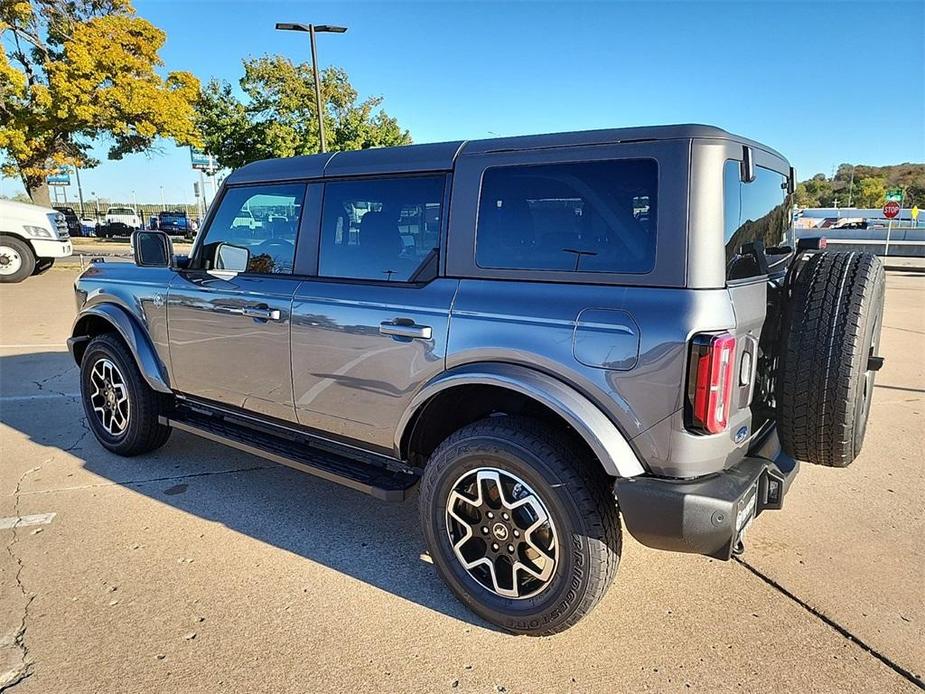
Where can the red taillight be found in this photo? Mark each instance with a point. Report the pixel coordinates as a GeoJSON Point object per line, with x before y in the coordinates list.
{"type": "Point", "coordinates": [709, 382]}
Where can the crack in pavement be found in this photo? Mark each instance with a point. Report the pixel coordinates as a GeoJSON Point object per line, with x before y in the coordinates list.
{"type": "Point", "coordinates": [128, 483]}
{"type": "Point", "coordinates": [908, 675]}
{"type": "Point", "coordinates": [24, 669]}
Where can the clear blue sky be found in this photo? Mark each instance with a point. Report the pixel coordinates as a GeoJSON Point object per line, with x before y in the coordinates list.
{"type": "Point", "coordinates": [824, 83]}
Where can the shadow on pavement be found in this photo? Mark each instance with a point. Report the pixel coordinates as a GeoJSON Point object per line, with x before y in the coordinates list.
{"type": "Point", "coordinates": [376, 542]}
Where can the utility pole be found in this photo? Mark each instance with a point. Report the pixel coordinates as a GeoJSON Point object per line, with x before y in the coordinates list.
{"type": "Point", "coordinates": [80, 193]}
{"type": "Point", "coordinates": [851, 185]}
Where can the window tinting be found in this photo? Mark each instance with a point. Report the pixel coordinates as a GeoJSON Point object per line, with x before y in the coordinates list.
{"type": "Point", "coordinates": [590, 216]}
{"type": "Point", "coordinates": [262, 219]}
{"type": "Point", "coordinates": [381, 229]}
{"type": "Point", "coordinates": [756, 211]}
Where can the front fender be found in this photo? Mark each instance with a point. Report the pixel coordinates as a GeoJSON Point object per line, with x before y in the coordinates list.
{"type": "Point", "coordinates": [604, 438]}
{"type": "Point", "coordinates": [131, 332]}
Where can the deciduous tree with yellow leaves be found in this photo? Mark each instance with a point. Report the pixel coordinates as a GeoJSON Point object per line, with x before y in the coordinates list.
{"type": "Point", "coordinates": [77, 72]}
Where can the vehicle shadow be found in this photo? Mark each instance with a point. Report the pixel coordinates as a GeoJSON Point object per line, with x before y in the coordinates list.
{"type": "Point", "coordinates": [376, 542]}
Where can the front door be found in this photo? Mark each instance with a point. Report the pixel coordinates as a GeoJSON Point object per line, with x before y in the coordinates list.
{"type": "Point", "coordinates": [228, 331]}
{"type": "Point", "coordinates": [372, 328]}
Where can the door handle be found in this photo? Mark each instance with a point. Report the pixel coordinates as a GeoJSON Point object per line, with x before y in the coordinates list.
{"type": "Point", "coordinates": [403, 327]}
{"type": "Point", "coordinates": [261, 313]}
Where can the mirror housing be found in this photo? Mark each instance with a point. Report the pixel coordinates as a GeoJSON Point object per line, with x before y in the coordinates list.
{"type": "Point", "coordinates": [152, 249]}
{"type": "Point", "coordinates": [230, 260]}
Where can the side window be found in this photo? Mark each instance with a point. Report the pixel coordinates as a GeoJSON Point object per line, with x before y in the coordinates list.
{"type": "Point", "coordinates": [756, 211]}
{"type": "Point", "coordinates": [264, 220]}
{"type": "Point", "coordinates": [597, 216]}
{"type": "Point", "coordinates": [380, 229]}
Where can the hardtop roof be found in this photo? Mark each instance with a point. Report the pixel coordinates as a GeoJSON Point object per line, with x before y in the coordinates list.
{"type": "Point", "coordinates": [441, 156]}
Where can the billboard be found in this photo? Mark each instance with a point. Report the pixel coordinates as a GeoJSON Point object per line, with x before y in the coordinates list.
{"type": "Point", "coordinates": [200, 160]}
{"type": "Point", "coordinates": [62, 177]}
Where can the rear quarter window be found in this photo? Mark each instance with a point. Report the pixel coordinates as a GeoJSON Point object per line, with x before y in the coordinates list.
{"type": "Point", "coordinates": [597, 216]}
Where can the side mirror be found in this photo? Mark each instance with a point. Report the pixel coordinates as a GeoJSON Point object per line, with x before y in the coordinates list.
{"type": "Point", "coordinates": [152, 249]}
{"type": "Point", "coordinates": [230, 260]}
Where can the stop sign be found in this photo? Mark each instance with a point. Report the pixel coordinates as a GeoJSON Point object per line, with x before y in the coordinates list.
{"type": "Point", "coordinates": [891, 209]}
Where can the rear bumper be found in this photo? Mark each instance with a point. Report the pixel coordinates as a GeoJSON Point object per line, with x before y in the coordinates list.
{"type": "Point", "coordinates": [706, 515]}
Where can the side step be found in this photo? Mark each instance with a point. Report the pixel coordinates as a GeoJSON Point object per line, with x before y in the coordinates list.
{"type": "Point", "coordinates": [375, 480]}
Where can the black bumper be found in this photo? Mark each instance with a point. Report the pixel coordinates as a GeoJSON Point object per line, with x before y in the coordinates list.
{"type": "Point", "coordinates": [705, 515]}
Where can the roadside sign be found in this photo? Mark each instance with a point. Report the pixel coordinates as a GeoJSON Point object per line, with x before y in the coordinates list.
{"type": "Point", "coordinates": [200, 160]}
{"type": "Point", "coordinates": [891, 209]}
{"type": "Point", "coordinates": [60, 178]}
{"type": "Point", "coordinates": [915, 213]}
{"type": "Point", "coordinates": [894, 195]}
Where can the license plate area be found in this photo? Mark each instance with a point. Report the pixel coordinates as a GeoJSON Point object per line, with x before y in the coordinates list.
{"type": "Point", "coordinates": [747, 508]}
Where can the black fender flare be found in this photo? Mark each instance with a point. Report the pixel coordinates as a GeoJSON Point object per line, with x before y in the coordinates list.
{"type": "Point", "coordinates": [603, 437]}
{"type": "Point", "coordinates": [130, 331]}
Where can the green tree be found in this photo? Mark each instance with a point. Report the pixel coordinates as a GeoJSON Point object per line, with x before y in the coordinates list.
{"type": "Point", "coordinates": [816, 192]}
{"type": "Point", "coordinates": [73, 72]}
{"type": "Point", "coordinates": [869, 192]}
{"type": "Point", "coordinates": [278, 117]}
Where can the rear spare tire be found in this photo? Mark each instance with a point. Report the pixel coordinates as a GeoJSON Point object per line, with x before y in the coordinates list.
{"type": "Point", "coordinates": [830, 357]}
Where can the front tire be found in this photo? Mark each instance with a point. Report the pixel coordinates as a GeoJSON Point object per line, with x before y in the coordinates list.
{"type": "Point", "coordinates": [121, 409]}
{"type": "Point", "coordinates": [17, 261]}
{"type": "Point", "coordinates": [523, 530]}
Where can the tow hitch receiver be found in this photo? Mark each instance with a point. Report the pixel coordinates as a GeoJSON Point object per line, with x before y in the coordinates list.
{"type": "Point", "coordinates": [707, 515]}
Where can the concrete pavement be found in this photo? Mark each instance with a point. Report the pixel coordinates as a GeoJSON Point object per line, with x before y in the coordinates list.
{"type": "Point", "coordinates": [202, 569]}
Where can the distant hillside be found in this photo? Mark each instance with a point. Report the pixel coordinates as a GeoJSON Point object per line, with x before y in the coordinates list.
{"type": "Point", "coordinates": [868, 188]}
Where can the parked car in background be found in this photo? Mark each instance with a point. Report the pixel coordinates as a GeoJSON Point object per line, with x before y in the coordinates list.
{"type": "Point", "coordinates": [88, 226]}
{"type": "Point", "coordinates": [123, 215]}
{"type": "Point", "coordinates": [174, 223]}
{"type": "Point", "coordinates": [73, 222]}
{"type": "Point", "coordinates": [31, 239]}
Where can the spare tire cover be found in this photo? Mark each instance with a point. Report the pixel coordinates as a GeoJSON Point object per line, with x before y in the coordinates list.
{"type": "Point", "coordinates": [828, 362]}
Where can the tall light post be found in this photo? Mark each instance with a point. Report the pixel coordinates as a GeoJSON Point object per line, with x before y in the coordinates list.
{"type": "Point", "coordinates": [312, 29]}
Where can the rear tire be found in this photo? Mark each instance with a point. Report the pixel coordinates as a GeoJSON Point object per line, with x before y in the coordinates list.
{"type": "Point", "coordinates": [541, 472]}
{"type": "Point", "coordinates": [122, 409]}
{"type": "Point", "coordinates": [825, 382]}
{"type": "Point", "coordinates": [17, 261]}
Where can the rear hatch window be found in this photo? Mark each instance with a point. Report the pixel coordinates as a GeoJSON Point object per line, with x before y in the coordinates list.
{"type": "Point", "coordinates": [755, 211]}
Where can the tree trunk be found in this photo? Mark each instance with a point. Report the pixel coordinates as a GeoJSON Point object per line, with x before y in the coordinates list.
{"type": "Point", "coordinates": [38, 192]}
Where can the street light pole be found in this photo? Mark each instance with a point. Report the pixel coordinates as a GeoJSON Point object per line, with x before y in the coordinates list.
{"type": "Point", "coordinates": [317, 75]}
{"type": "Point", "coordinates": [312, 29]}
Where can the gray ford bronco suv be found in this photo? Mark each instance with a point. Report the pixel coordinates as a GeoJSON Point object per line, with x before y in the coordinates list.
{"type": "Point", "coordinates": [545, 335]}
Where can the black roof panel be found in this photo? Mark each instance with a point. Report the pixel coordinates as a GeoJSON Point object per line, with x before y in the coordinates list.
{"type": "Point", "coordinates": [438, 156]}
{"type": "Point", "coordinates": [290, 168]}
{"type": "Point", "coordinates": [441, 156]}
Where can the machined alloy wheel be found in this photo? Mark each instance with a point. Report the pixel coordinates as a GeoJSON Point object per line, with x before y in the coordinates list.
{"type": "Point", "coordinates": [109, 396]}
{"type": "Point", "coordinates": [123, 411]}
{"type": "Point", "coordinates": [501, 532]}
{"type": "Point", "coordinates": [10, 260]}
{"type": "Point", "coordinates": [520, 524]}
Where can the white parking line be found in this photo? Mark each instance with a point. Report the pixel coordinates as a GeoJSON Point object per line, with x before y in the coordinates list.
{"type": "Point", "coordinates": [41, 396]}
{"type": "Point", "coordinates": [23, 521]}
{"type": "Point", "coordinates": [56, 345]}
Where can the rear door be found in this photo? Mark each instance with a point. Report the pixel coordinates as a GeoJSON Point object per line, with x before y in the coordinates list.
{"type": "Point", "coordinates": [756, 234]}
{"type": "Point", "coordinates": [371, 328]}
{"type": "Point", "coordinates": [229, 333]}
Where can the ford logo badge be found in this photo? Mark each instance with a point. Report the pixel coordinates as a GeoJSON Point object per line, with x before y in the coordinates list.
{"type": "Point", "coordinates": [741, 434]}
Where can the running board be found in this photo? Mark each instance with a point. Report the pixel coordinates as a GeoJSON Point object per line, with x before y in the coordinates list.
{"type": "Point", "coordinates": [375, 480]}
